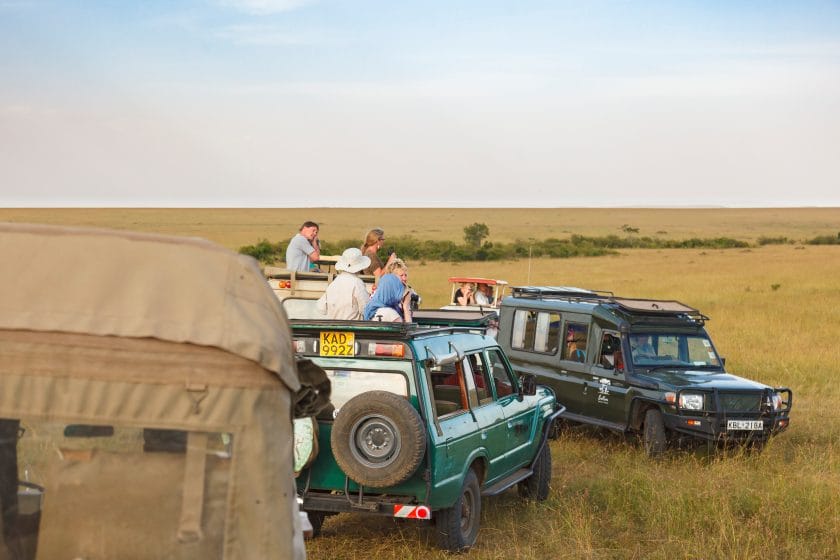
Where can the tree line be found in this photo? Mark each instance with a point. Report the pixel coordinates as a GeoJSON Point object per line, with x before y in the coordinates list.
{"type": "Point", "coordinates": [476, 247]}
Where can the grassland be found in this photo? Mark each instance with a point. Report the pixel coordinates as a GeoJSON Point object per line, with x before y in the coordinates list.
{"type": "Point", "coordinates": [775, 315]}
{"type": "Point", "coordinates": [235, 228]}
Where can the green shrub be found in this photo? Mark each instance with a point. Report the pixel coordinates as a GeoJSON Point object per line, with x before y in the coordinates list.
{"type": "Point", "coordinates": [825, 240]}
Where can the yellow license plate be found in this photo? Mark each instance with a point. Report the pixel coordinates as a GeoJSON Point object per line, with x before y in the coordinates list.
{"type": "Point", "coordinates": [337, 343]}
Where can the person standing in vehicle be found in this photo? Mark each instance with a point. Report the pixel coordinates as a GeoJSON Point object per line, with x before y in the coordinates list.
{"type": "Point", "coordinates": [304, 248]}
{"type": "Point", "coordinates": [389, 302]}
{"type": "Point", "coordinates": [373, 243]}
{"type": "Point", "coordinates": [346, 296]}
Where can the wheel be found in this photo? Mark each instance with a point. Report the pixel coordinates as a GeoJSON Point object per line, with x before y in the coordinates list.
{"type": "Point", "coordinates": [457, 526]}
{"type": "Point", "coordinates": [378, 439]}
{"type": "Point", "coordinates": [654, 436]}
{"type": "Point", "coordinates": [536, 486]}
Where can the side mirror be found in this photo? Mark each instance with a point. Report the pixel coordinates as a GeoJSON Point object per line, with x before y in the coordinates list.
{"type": "Point", "coordinates": [528, 384]}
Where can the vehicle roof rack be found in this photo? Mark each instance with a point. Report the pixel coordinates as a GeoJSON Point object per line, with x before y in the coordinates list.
{"type": "Point", "coordinates": [423, 322]}
{"type": "Point", "coordinates": [560, 292]}
{"type": "Point", "coordinates": [659, 307]}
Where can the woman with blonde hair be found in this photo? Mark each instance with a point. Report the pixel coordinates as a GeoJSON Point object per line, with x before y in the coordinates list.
{"type": "Point", "coordinates": [373, 242]}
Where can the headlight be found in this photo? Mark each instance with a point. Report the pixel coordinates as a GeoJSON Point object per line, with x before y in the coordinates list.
{"type": "Point", "coordinates": [691, 401]}
{"type": "Point", "coordinates": [776, 401]}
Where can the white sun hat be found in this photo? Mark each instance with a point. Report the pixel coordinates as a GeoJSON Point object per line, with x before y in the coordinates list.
{"type": "Point", "coordinates": [352, 260]}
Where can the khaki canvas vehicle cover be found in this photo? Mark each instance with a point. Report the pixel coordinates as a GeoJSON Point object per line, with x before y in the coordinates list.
{"type": "Point", "coordinates": [147, 385]}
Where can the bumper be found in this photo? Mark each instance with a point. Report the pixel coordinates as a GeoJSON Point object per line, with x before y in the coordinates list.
{"type": "Point", "coordinates": [715, 427]}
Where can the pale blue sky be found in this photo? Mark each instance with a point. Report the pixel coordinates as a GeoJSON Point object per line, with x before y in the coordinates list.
{"type": "Point", "coordinates": [405, 103]}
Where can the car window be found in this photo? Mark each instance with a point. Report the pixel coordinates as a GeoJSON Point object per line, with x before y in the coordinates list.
{"type": "Point", "coordinates": [535, 331]}
{"type": "Point", "coordinates": [576, 337]}
{"type": "Point", "coordinates": [79, 478]}
{"type": "Point", "coordinates": [450, 392]}
{"type": "Point", "coordinates": [609, 353]}
{"type": "Point", "coordinates": [347, 383]}
{"type": "Point", "coordinates": [501, 378]}
{"type": "Point", "coordinates": [672, 349]}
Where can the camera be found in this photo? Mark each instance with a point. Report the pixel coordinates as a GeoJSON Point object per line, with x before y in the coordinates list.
{"type": "Point", "coordinates": [414, 301]}
{"type": "Point", "coordinates": [391, 251]}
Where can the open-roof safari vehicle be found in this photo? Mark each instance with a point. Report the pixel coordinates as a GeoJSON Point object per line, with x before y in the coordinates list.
{"type": "Point", "coordinates": [145, 409]}
{"type": "Point", "coordinates": [636, 365]}
{"type": "Point", "coordinates": [428, 418]}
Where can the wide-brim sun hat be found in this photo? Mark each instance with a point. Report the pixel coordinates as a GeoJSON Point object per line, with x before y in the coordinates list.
{"type": "Point", "coordinates": [352, 260]}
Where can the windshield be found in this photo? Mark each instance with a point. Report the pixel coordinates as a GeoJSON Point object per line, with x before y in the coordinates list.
{"type": "Point", "coordinates": [678, 350]}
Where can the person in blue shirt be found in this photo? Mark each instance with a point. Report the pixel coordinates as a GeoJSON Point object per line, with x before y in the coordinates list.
{"type": "Point", "coordinates": [304, 248]}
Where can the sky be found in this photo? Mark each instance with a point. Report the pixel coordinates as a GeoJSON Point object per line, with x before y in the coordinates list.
{"type": "Point", "coordinates": [373, 103]}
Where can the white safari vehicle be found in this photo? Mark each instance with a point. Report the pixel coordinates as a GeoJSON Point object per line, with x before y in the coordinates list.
{"type": "Point", "coordinates": [147, 387]}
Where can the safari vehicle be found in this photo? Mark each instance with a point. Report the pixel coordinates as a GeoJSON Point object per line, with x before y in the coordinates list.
{"type": "Point", "coordinates": [428, 419]}
{"type": "Point", "coordinates": [636, 366]}
{"type": "Point", "coordinates": [142, 414]}
{"type": "Point", "coordinates": [307, 285]}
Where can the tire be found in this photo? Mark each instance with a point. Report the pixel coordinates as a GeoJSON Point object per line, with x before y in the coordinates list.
{"type": "Point", "coordinates": [378, 439]}
{"type": "Point", "coordinates": [536, 487]}
{"type": "Point", "coordinates": [654, 436]}
{"type": "Point", "coordinates": [457, 526]}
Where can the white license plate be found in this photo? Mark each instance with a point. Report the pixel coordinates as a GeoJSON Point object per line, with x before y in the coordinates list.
{"type": "Point", "coordinates": [744, 425]}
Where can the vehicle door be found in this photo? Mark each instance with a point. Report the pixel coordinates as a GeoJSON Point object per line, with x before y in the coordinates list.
{"type": "Point", "coordinates": [489, 415]}
{"type": "Point", "coordinates": [466, 421]}
{"type": "Point", "coordinates": [574, 365]}
{"type": "Point", "coordinates": [520, 415]}
{"type": "Point", "coordinates": [606, 388]}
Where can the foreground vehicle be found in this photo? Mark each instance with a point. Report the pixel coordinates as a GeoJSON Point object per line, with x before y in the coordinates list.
{"type": "Point", "coordinates": [428, 418]}
{"type": "Point", "coordinates": [142, 414]}
{"type": "Point", "coordinates": [638, 366]}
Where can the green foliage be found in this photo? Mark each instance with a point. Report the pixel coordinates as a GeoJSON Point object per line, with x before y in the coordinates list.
{"type": "Point", "coordinates": [825, 240]}
{"type": "Point", "coordinates": [264, 251]}
{"type": "Point", "coordinates": [475, 234]}
{"type": "Point", "coordinates": [780, 240]}
{"type": "Point", "coordinates": [411, 248]}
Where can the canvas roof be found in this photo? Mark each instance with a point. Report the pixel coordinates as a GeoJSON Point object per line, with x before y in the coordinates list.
{"type": "Point", "coordinates": [177, 289]}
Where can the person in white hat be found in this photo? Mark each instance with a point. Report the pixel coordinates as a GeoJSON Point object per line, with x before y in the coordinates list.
{"type": "Point", "coordinates": [346, 297]}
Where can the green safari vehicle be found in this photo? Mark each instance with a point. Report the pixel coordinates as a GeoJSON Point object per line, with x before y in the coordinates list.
{"type": "Point", "coordinates": [637, 366]}
{"type": "Point", "coordinates": [426, 419]}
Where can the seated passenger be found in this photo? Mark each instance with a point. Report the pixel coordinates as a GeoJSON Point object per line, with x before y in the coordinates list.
{"type": "Point", "coordinates": [465, 294]}
{"type": "Point", "coordinates": [573, 350]}
{"type": "Point", "coordinates": [640, 347]}
{"type": "Point", "coordinates": [484, 295]}
{"type": "Point", "coordinates": [390, 301]}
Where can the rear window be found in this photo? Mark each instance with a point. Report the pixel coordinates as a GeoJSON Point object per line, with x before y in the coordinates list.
{"type": "Point", "coordinates": [351, 377]}
{"type": "Point", "coordinates": [149, 487]}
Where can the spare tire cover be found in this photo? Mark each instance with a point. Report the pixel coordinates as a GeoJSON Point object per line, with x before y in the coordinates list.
{"type": "Point", "coordinates": [378, 439]}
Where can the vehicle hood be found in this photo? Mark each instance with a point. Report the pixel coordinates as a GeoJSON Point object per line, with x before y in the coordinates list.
{"type": "Point", "coordinates": [685, 378]}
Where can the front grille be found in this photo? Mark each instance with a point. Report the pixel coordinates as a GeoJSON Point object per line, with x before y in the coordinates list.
{"type": "Point", "coordinates": [740, 402]}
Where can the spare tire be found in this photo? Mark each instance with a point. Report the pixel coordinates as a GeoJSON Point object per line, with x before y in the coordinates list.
{"type": "Point", "coordinates": [378, 439]}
